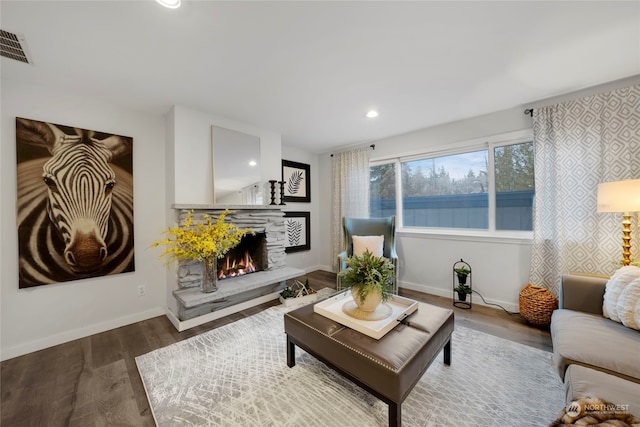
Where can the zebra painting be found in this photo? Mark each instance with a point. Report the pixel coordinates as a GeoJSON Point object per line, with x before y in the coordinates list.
{"type": "Point", "coordinates": [75, 203]}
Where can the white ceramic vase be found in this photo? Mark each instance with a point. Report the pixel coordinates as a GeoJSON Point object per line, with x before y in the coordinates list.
{"type": "Point", "coordinates": [370, 303]}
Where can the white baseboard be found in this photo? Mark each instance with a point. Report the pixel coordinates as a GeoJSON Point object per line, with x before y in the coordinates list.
{"type": "Point", "coordinates": [318, 267]}
{"type": "Point", "coordinates": [310, 269]}
{"type": "Point", "coordinates": [74, 334]}
{"type": "Point", "coordinates": [183, 325]}
{"type": "Point", "coordinates": [433, 290]}
{"type": "Point", "coordinates": [327, 268]}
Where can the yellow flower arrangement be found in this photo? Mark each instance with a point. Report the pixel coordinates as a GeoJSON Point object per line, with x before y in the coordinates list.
{"type": "Point", "coordinates": [204, 241]}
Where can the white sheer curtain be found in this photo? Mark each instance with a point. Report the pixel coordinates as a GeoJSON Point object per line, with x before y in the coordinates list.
{"type": "Point", "coordinates": [350, 191]}
{"type": "Point", "coordinates": [577, 145]}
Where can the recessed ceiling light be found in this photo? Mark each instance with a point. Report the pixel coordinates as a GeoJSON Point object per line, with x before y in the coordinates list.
{"type": "Point", "coordinates": [371, 114]}
{"type": "Point", "coordinates": [252, 163]}
{"type": "Point", "coordinates": [171, 4]}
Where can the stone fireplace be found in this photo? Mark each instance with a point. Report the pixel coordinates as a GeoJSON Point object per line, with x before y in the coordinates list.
{"type": "Point", "coordinates": [265, 250]}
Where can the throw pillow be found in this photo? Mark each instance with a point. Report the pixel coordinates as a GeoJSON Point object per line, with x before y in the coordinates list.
{"type": "Point", "coordinates": [375, 244]}
{"type": "Point", "coordinates": [628, 307]}
{"type": "Point", "coordinates": [620, 279]}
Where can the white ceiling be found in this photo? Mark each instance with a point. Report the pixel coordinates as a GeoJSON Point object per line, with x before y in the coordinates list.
{"type": "Point", "coordinates": [311, 70]}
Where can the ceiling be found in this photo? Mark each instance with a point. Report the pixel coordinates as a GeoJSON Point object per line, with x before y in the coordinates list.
{"type": "Point", "coordinates": [311, 70]}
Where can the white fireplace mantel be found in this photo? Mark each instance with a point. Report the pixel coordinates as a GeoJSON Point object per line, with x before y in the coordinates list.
{"type": "Point", "coordinates": [180, 206]}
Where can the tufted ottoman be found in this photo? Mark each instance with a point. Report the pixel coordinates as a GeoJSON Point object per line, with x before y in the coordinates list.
{"type": "Point", "coordinates": [388, 368]}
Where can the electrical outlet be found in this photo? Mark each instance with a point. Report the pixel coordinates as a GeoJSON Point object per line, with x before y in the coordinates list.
{"type": "Point", "coordinates": [141, 290]}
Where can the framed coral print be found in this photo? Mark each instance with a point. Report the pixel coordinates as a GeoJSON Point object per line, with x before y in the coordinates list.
{"type": "Point", "coordinates": [297, 186]}
{"type": "Point", "coordinates": [297, 231]}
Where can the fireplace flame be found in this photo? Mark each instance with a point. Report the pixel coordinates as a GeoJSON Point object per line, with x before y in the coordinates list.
{"type": "Point", "coordinates": [236, 267]}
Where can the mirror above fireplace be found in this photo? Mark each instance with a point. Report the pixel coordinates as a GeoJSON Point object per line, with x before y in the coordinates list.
{"type": "Point", "coordinates": [236, 167]}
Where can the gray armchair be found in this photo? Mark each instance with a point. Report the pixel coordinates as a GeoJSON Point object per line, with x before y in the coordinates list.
{"type": "Point", "coordinates": [370, 227]}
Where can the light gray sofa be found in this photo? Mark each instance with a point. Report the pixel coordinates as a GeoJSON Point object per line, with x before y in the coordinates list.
{"type": "Point", "coordinates": [593, 355]}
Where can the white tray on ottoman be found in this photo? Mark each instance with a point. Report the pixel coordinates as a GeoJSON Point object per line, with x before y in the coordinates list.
{"type": "Point", "coordinates": [332, 308]}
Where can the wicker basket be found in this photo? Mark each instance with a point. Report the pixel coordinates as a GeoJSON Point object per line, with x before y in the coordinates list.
{"type": "Point", "coordinates": [537, 304]}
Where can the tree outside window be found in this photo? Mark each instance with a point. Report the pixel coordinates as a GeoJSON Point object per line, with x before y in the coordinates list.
{"type": "Point", "coordinates": [446, 192]}
{"type": "Point", "coordinates": [515, 186]}
{"type": "Point", "coordinates": [382, 190]}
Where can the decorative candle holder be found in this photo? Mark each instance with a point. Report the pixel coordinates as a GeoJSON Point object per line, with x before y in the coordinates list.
{"type": "Point", "coordinates": [272, 182]}
{"type": "Point", "coordinates": [282, 192]}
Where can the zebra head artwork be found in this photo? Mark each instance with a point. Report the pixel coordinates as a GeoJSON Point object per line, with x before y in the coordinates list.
{"type": "Point", "coordinates": [77, 185]}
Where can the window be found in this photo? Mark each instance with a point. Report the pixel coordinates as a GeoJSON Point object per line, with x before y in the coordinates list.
{"type": "Point", "coordinates": [486, 188]}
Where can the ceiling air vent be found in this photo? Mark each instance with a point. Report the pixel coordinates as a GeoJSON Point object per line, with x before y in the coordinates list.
{"type": "Point", "coordinates": [14, 46]}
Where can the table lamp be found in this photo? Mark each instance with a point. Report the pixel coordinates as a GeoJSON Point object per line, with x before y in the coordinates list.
{"type": "Point", "coordinates": [621, 196]}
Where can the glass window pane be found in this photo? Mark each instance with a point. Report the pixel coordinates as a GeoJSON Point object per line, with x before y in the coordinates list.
{"type": "Point", "coordinates": [447, 192]}
{"type": "Point", "coordinates": [515, 186]}
{"type": "Point", "coordinates": [382, 190]}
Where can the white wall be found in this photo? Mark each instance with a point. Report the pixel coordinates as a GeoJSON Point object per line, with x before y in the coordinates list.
{"type": "Point", "coordinates": [307, 260]}
{"type": "Point", "coordinates": [500, 265]}
{"type": "Point", "coordinates": [190, 165]}
{"type": "Point", "coordinates": [190, 146]}
{"type": "Point", "coordinates": [39, 317]}
{"type": "Point", "coordinates": [464, 130]}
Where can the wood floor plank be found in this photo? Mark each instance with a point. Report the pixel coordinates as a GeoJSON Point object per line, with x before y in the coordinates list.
{"type": "Point", "coordinates": [159, 333]}
{"type": "Point", "coordinates": [106, 347]}
{"type": "Point", "coordinates": [142, 403]}
{"type": "Point", "coordinates": [105, 397]}
{"type": "Point", "coordinates": [46, 389]}
{"type": "Point", "coordinates": [491, 320]}
{"type": "Point", "coordinates": [94, 381]}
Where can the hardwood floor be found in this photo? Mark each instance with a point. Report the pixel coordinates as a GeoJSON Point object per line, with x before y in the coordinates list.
{"type": "Point", "coordinates": [94, 381]}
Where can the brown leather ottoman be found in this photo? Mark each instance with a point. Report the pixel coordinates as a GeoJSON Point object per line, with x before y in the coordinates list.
{"type": "Point", "coordinates": [388, 368]}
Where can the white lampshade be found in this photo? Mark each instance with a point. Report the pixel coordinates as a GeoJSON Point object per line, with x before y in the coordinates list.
{"type": "Point", "coordinates": [619, 196]}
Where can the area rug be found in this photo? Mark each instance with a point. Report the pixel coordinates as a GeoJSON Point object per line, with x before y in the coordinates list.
{"type": "Point", "coordinates": [237, 375]}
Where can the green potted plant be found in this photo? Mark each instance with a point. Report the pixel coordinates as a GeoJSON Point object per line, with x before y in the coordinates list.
{"type": "Point", "coordinates": [462, 273]}
{"type": "Point", "coordinates": [462, 290]}
{"type": "Point", "coordinates": [370, 279]}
